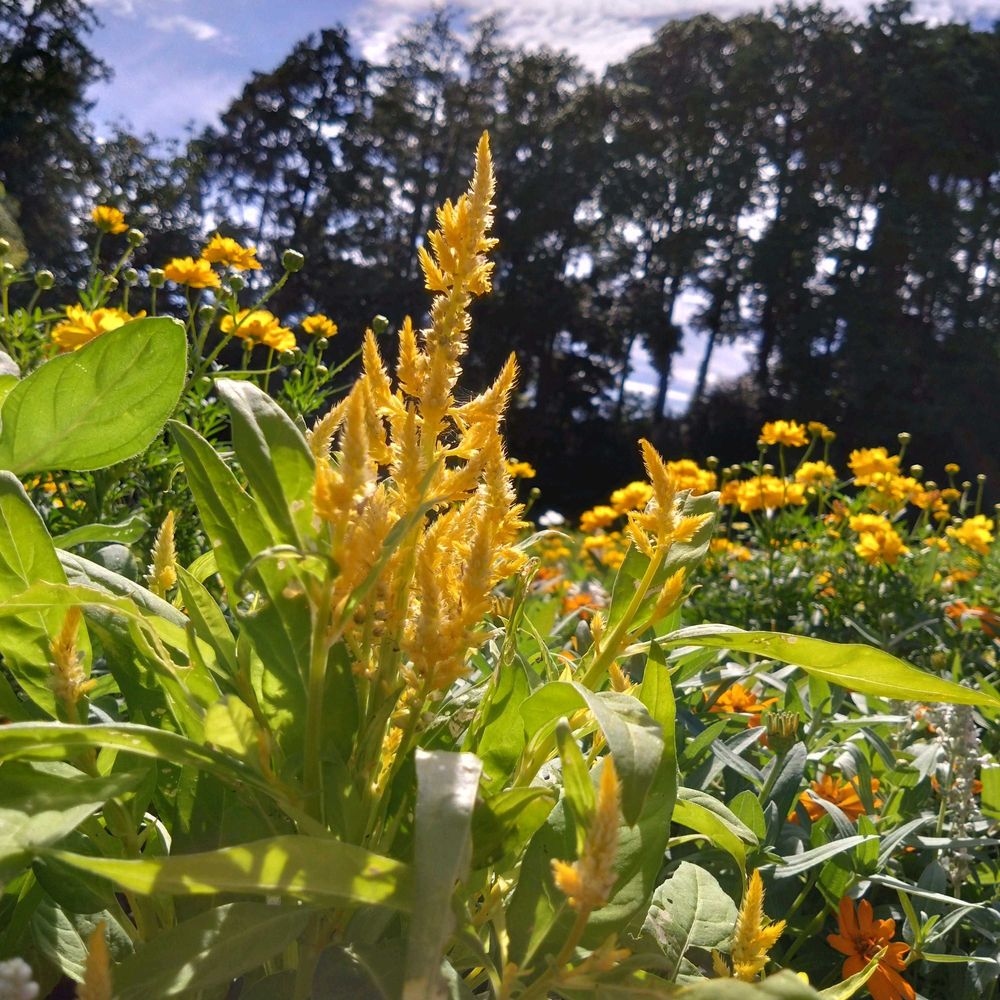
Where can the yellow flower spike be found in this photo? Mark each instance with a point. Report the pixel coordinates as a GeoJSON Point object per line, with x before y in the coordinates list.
{"type": "Point", "coordinates": [752, 940]}
{"type": "Point", "coordinates": [163, 570]}
{"type": "Point", "coordinates": [321, 435]}
{"type": "Point", "coordinates": [109, 219]}
{"type": "Point", "coordinates": [619, 679]}
{"type": "Point", "coordinates": [97, 983]}
{"type": "Point", "coordinates": [69, 682]}
{"type": "Point", "coordinates": [670, 595]}
{"type": "Point", "coordinates": [587, 882]}
{"type": "Point", "coordinates": [411, 363]}
{"type": "Point", "coordinates": [376, 375]}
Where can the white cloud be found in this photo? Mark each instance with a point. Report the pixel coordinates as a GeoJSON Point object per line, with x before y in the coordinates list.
{"type": "Point", "coordinates": [601, 32]}
{"type": "Point", "coordinates": [200, 31]}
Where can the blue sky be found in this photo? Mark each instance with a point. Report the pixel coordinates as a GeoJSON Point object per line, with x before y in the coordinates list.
{"type": "Point", "coordinates": [178, 61]}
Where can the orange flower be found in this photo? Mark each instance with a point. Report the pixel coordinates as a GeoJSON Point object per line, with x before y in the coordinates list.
{"type": "Point", "coordinates": [843, 794]}
{"type": "Point", "coordinates": [739, 700]}
{"type": "Point", "coordinates": [860, 937]}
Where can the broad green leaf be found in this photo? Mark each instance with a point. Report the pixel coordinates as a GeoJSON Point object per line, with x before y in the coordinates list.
{"type": "Point", "coordinates": [102, 404]}
{"type": "Point", "coordinates": [27, 555]}
{"type": "Point", "coordinates": [747, 810]}
{"type": "Point", "coordinates": [500, 738]}
{"type": "Point", "coordinates": [447, 784]}
{"type": "Point", "coordinates": [209, 950]}
{"type": "Point", "coordinates": [230, 725]}
{"type": "Point", "coordinates": [633, 737]}
{"type": "Point", "coordinates": [689, 910]}
{"type": "Point", "coordinates": [848, 987]}
{"type": "Point", "coordinates": [851, 665]}
{"type": "Point", "coordinates": [312, 869]}
{"type": "Point", "coordinates": [274, 456]}
{"type": "Point", "coordinates": [657, 694]}
{"type": "Point", "coordinates": [41, 803]}
{"type": "Point", "coordinates": [577, 786]}
{"type": "Point", "coordinates": [783, 986]}
{"type": "Point", "coordinates": [62, 937]}
{"type": "Point", "coordinates": [125, 532]}
{"type": "Point", "coordinates": [207, 619]}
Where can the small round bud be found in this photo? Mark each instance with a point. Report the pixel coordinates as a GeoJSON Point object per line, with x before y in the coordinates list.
{"type": "Point", "coordinates": [130, 275]}
{"type": "Point", "coordinates": [292, 261]}
{"type": "Point", "coordinates": [379, 325]}
{"type": "Point", "coordinates": [110, 284]}
{"type": "Point", "coordinates": [296, 372]}
{"type": "Point", "coordinates": [981, 478]}
{"type": "Point", "coordinates": [237, 282]}
{"type": "Point", "coordinates": [711, 462]}
{"type": "Point", "coordinates": [916, 471]}
{"type": "Point", "coordinates": [44, 279]}
{"type": "Point", "coordinates": [931, 484]}
{"type": "Point", "coordinates": [322, 370]}
{"type": "Point", "coordinates": [4, 247]}
{"type": "Point", "coordinates": [966, 485]}
{"type": "Point", "coordinates": [7, 269]}
{"type": "Point", "coordinates": [904, 437]}
{"type": "Point", "coordinates": [782, 730]}
{"type": "Point", "coordinates": [157, 278]}
{"type": "Point", "coordinates": [206, 313]}
{"type": "Point", "coordinates": [768, 469]}
{"type": "Point", "coordinates": [135, 237]}
{"type": "Point", "coordinates": [205, 381]}
{"type": "Point", "coordinates": [291, 357]}
{"type": "Point", "coordinates": [322, 343]}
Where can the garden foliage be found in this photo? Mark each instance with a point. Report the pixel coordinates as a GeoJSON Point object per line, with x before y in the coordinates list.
{"type": "Point", "coordinates": [355, 747]}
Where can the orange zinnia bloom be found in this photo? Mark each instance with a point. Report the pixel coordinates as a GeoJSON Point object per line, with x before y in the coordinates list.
{"type": "Point", "coordinates": [843, 794]}
{"type": "Point", "coordinates": [860, 937]}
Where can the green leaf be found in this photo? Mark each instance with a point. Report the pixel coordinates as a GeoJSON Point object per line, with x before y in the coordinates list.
{"type": "Point", "coordinates": [447, 784]}
{"type": "Point", "coordinates": [702, 813]}
{"type": "Point", "coordinates": [847, 988]}
{"type": "Point", "coordinates": [230, 725]}
{"type": "Point", "coordinates": [851, 665]}
{"type": "Point", "coordinates": [28, 555]}
{"type": "Point", "coordinates": [41, 803]}
{"type": "Point", "coordinates": [635, 739]}
{"type": "Point", "coordinates": [797, 863]}
{"type": "Point", "coordinates": [209, 950]}
{"type": "Point", "coordinates": [784, 986]}
{"type": "Point", "coordinates": [274, 456]}
{"type": "Point", "coordinates": [125, 532]}
{"type": "Point", "coordinates": [690, 910]}
{"type": "Point", "coordinates": [577, 786]}
{"type": "Point", "coordinates": [503, 823]}
{"type": "Point", "coordinates": [746, 809]}
{"type": "Point", "coordinates": [313, 869]}
{"type": "Point", "coordinates": [62, 937]}
{"type": "Point", "coordinates": [102, 404]}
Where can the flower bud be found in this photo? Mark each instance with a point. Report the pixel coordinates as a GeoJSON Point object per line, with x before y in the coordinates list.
{"type": "Point", "coordinates": [322, 370]}
{"type": "Point", "coordinates": [981, 478]}
{"type": "Point", "coordinates": [44, 279]}
{"type": "Point", "coordinates": [237, 282]}
{"type": "Point", "coordinates": [206, 313]}
{"type": "Point", "coordinates": [322, 343]}
{"type": "Point", "coordinates": [135, 237]}
{"type": "Point", "coordinates": [156, 277]}
{"type": "Point", "coordinates": [130, 275]}
{"type": "Point", "coordinates": [711, 462]}
{"type": "Point", "coordinates": [768, 469]}
{"type": "Point", "coordinates": [110, 283]}
{"type": "Point", "coordinates": [903, 437]}
{"type": "Point", "coordinates": [292, 261]}
{"type": "Point", "coordinates": [4, 247]}
{"type": "Point", "coordinates": [296, 372]}
{"type": "Point", "coordinates": [782, 730]}
{"type": "Point", "coordinates": [966, 485]}
{"type": "Point", "coordinates": [379, 325]}
{"type": "Point", "coordinates": [7, 270]}
{"type": "Point", "coordinates": [916, 471]}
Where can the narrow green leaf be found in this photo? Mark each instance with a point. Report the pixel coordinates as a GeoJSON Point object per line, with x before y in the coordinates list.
{"type": "Point", "coordinates": [102, 404]}
{"type": "Point", "coordinates": [851, 665]}
{"type": "Point", "coordinates": [124, 532]}
{"type": "Point", "coordinates": [447, 784]}
{"type": "Point", "coordinates": [313, 869]}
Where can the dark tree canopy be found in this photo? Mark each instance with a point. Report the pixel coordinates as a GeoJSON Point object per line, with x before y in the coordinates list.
{"type": "Point", "coordinates": [821, 189]}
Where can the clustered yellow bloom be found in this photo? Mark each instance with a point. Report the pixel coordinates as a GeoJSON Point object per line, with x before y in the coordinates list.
{"type": "Point", "coordinates": [600, 516]}
{"type": "Point", "coordinates": [764, 492]}
{"type": "Point", "coordinates": [632, 497]}
{"type": "Point", "coordinates": [815, 474]}
{"type": "Point", "coordinates": [228, 252]}
{"type": "Point", "coordinates": [191, 272]}
{"type": "Point", "coordinates": [974, 533]}
{"type": "Point", "coordinates": [109, 220]}
{"type": "Point", "coordinates": [878, 541]}
{"type": "Point", "coordinates": [81, 325]}
{"type": "Point", "coordinates": [788, 433]}
{"type": "Point", "coordinates": [434, 592]}
{"type": "Point", "coordinates": [259, 326]}
{"type": "Point", "coordinates": [867, 463]}
{"type": "Point", "coordinates": [521, 470]}
{"type": "Point", "coordinates": [688, 475]}
{"type": "Point", "coordinates": [319, 325]}
{"type": "Point", "coordinates": [587, 882]}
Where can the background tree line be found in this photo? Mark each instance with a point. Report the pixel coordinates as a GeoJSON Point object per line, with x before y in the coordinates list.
{"type": "Point", "coordinates": [826, 190]}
